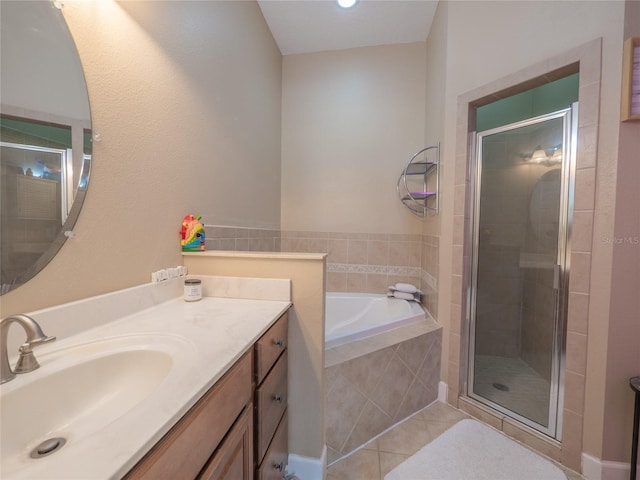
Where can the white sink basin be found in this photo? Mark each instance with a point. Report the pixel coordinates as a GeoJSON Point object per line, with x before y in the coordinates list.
{"type": "Point", "coordinates": [78, 391]}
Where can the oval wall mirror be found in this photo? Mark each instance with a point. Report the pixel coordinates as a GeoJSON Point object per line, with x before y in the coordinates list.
{"type": "Point", "coordinates": [45, 138]}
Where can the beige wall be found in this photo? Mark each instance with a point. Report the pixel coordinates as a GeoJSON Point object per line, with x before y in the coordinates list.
{"type": "Point", "coordinates": [623, 353]}
{"type": "Point", "coordinates": [351, 120]}
{"type": "Point", "coordinates": [436, 68]}
{"type": "Point", "coordinates": [306, 332]}
{"type": "Point", "coordinates": [187, 100]}
{"type": "Point", "coordinates": [436, 65]}
{"type": "Point", "coordinates": [190, 121]}
{"type": "Point", "coordinates": [483, 38]}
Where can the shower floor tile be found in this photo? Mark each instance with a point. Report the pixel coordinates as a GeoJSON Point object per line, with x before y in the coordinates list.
{"type": "Point", "coordinates": [513, 384]}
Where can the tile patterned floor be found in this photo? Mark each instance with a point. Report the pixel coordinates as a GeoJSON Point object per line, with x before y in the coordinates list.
{"type": "Point", "coordinates": [383, 454]}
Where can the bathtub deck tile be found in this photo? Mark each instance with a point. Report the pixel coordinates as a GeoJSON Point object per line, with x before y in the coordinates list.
{"type": "Point", "coordinates": [413, 351]}
{"type": "Point", "coordinates": [330, 378]}
{"type": "Point", "coordinates": [344, 405]}
{"type": "Point", "coordinates": [365, 346]}
{"type": "Point", "coordinates": [417, 397]}
{"type": "Point", "coordinates": [366, 372]}
{"type": "Point", "coordinates": [353, 350]}
{"type": "Point", "coordinates": [333, 356]}
{"type": "Point", "coordinates": [375, 382]}
{"type": "Point", "coordinates": [393, 387]}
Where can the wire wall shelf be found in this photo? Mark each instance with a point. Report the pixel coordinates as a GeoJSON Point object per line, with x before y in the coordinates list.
{"type": "Point", "coordinates": [419, 183]}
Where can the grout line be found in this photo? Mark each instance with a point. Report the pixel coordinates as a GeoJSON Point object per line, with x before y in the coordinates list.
{"type": "Point", "coordinates": [361, 447]}
{"type": "Point", "coordinates": [364, 406]}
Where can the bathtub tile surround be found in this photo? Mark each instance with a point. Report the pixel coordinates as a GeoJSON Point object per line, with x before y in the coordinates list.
{"type": "Point", "coordinates": [356, 262]}
{"type": "Point", "coordinates": [429, 273]}
{"type": "Point", "coordinates": [363, 262]}
{"type": "Point", "coordinates": [374, 383]}
{"type": "Point", "coordinates": [241, 239]}
{"type": "Point", "coordinates": [343, 353]}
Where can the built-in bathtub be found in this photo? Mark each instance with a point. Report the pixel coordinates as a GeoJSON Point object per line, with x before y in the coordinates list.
{"type": "Point", "coordinates": [382, 365]}
{"type": "Point", "coordinates": [354, 316]}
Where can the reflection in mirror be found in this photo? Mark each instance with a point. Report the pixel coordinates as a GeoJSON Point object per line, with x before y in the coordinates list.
{"type": "Point", "coordinates": [543, 210]}
{"type": "Point", "coordinates": [45, 138]}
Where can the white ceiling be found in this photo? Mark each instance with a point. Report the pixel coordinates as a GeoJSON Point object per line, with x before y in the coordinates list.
{"type": "Point", "coordinates": [303, 26]}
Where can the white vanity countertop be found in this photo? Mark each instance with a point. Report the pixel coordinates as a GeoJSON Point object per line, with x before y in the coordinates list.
{"type": "Point", "coordinates": [207, 337]}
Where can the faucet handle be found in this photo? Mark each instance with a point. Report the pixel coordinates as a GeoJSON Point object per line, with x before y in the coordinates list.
{"type": "Point", "coordinates": [39, 340]}
{"type": "Point", "coordinates": [27, 360]}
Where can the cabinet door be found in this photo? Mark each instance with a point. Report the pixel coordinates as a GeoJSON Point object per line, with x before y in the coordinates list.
{"type": "Point", "coordinates": [234, 458]}
{"type": "Point", "coordinates": [270, 346]}
{"type": "Point", "coordinates": [271, 402]}
{"type": "Point", "coordinates": [183, 452]}
{"type": "Point", "coordinates": [275, 460]}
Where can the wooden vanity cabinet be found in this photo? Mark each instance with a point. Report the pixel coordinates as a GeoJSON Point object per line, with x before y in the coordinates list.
{"type": "Point", "coordinates": [238, 429]}
{"type": "Point", "coordinates": [234, 460]}
{"type": "Point", "coordinates": [275, 460]}
{"type": "Point", "coordinates": [185, 450]}
{"type": "Point", "coordinates": [271, 359]}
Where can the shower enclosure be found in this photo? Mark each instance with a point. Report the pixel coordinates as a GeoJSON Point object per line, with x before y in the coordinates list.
{"type": "Point", "coordinates": [521, 225]}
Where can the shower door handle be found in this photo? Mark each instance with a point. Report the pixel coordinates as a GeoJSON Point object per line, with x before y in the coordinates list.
{"type": "Point", "coordinates": [557, 268]}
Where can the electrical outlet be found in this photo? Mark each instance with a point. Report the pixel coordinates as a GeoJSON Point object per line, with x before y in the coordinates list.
{"type": "Point", "coordinates": [168, 273]}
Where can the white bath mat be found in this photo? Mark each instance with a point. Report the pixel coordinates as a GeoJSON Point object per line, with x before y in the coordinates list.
{"type": "Point", "coordinates": [472, 451]}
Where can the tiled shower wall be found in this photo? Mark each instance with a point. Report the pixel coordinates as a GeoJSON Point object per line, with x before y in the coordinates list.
{"type": "Point", "coordinates": [519, 205]}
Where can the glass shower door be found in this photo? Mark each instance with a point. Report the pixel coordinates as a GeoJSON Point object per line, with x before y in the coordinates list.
{"type": "Point", "coordinates": [518, 300]}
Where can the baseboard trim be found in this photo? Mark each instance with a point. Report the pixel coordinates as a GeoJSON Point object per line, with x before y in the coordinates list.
{"type": "Point", "coordinates": [594, 468]}
{"type": "Point", "coordinates": [308, 468]}
{"type": "Point", "coordinates": [443, 390]}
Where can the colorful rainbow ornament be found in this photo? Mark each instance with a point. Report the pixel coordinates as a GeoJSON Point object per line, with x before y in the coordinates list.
{"type": "Point", "coordinates": [192, 234]}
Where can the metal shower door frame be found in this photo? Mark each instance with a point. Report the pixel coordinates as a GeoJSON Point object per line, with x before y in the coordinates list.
{"type": "Point", "coordinates": [567, 189]}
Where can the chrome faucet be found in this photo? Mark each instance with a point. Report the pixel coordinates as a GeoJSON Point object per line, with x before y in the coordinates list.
{"type": "Point", "coordinates": [27, 361]}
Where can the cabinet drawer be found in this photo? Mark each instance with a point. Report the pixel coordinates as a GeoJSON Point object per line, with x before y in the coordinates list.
{"type": "Point", "coordinates": [275, 461]}
{"type": "Point", "coordinates": [270, 346]}
{"type": "Point", "coordinates": [186, 448]}
{"type": "Point", "coordinates": [271, 402]}
{"type": "Point", "coordinates": [234, 458]}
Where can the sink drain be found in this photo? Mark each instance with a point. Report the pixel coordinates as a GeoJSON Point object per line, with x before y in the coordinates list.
{"type": "Point", "coordinates": [49, 446]}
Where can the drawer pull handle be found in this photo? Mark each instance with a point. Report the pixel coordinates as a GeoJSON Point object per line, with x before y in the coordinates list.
{"type": "Point", "coordinates": [278, 398]}
{"type": "Point", "coordinates": [278, 343]}
{"type": "Point", "coordinates": [278, 466]}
